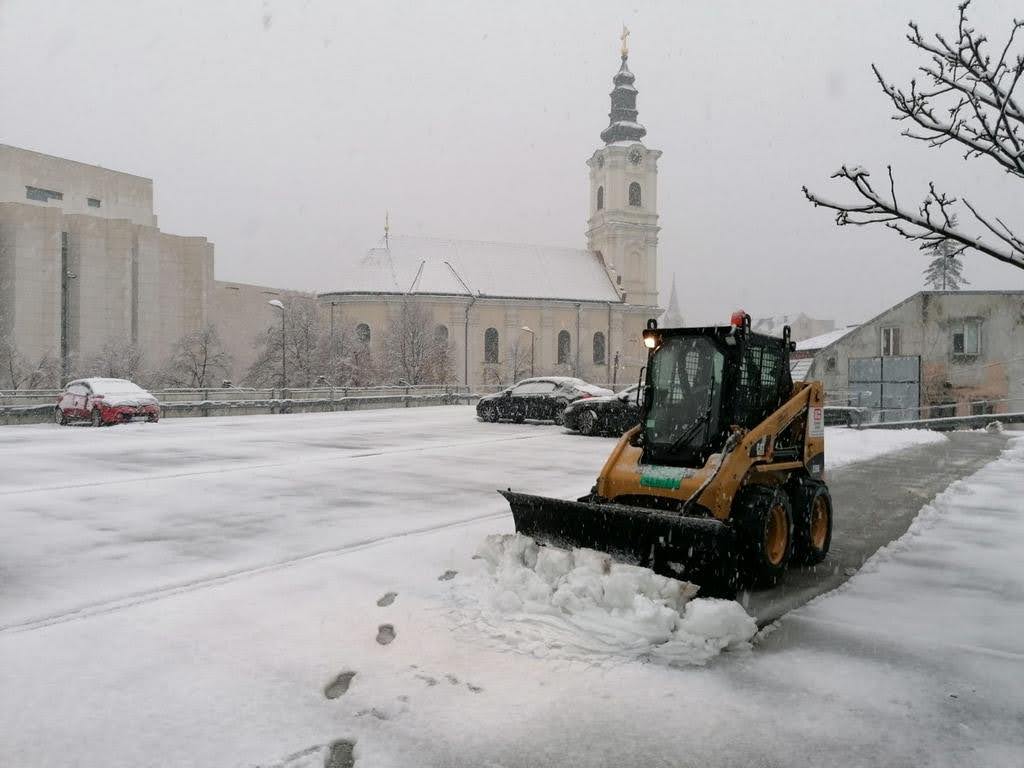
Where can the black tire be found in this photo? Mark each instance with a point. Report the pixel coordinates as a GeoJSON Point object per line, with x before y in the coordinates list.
{"type": "Point", "coordinates": [489, 413]}
{"type": "Point", "coordinates": [812, 522]}
{"type": "Point", "coordinates": [587, 422]}
{"type": "Point", "coordinates": [558, 414]}
{"type": "Point", "coordinates": [152, 419]}
{"type": "Point", "coordinates": [59, 417]}
{"type": "Point", "coordinates": [96, 418]}
{"type": "Point", "coordinates": [763, 520]}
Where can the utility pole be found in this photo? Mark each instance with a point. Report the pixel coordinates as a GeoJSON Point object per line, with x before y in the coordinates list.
{"type": "Point", "coordinates": [284, 347]}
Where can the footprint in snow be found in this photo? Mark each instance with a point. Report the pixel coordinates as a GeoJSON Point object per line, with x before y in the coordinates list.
{"type": "Point", "coordinates": [447, 575]}
{"type": "Point", "coordinates": [339, 685]}
{"type": "Point", "coordinates": [385, 634]}
{"type": "Point", "coordinates": [387, 599]}
{"type": "Point", "coordinates": [452, 679]}
{"type": "Point", "coordinates": [341, 754]}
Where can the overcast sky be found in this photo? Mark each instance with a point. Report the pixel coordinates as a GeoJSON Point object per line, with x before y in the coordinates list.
{"type": "Point", "coordinates": [282, 131]}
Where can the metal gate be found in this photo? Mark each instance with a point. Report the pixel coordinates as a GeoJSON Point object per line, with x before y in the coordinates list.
{"type": "Point", "coordinates": [890, 385]}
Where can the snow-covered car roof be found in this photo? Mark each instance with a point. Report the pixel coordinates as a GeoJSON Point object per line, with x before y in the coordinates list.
{"type": "Point", "coordinates": [103, 386]}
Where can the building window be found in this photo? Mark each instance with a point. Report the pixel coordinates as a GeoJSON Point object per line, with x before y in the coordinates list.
{"type": "Point", "coordinates": [830, 363]}
{"type": "Point", "coordinates": [42, 195]}
{"type": "Point", "coordinates": [363, 333]}
{"type": "Point", "coordinates": [634, 195]}
{"type": "Point", "coordinates": [981, 408]}
{"type": "Point", "coordinates": [600, 198]}
{"type": "Point", "coordinates": [441, 334]}
{"type": "Point", "coordinates": [491, 345]}
{"type": "Point", "coordinates": [94, 202]}
{"type": "Point", "coordinates": [598, 348]}
{"type": "Point", "coordinates": [966, 337]}
{"type": "Point", "coordinates": [890, 342]}
{"type": "Point", "coordinates": [564, 346]}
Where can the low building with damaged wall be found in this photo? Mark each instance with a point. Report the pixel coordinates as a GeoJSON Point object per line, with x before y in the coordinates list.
{"type": "Point", "coordinates": [947, 352]}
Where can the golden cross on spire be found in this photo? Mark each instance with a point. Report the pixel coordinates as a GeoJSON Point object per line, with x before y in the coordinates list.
{"type": "Point", "coordinates": [625, 41]}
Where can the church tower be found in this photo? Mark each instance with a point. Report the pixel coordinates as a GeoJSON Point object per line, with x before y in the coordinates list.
{"type": "Point", "coordinates": [623, 223]}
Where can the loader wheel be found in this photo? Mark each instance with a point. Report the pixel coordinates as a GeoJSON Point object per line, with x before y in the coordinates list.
{"type": "Point", "coordinates": [764, 532]}
{"type": "Point", "coordinates": [812, 530]}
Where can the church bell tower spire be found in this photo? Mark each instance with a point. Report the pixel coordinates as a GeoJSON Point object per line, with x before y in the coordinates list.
{"type": "Point", "coordinates": [623, 223]}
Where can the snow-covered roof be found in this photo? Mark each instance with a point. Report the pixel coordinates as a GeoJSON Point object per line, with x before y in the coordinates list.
{"type": "Point", "coordinates": [820, 342]}
{"type": "Point", "coordinates": [466, 267]}
{"type": "Point", "coordinates": [111, 386]}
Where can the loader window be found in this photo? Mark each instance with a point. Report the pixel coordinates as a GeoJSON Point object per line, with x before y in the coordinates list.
{"type": "Point", "coordinates": [686, 374]}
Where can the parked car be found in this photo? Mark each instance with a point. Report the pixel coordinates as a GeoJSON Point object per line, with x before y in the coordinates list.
{"type": "Point", "coordinates": [612, 414]}
{"type": "Point", "coordinates": [544, 398]}
{"type": "Point", "coordinates": [105, 401]}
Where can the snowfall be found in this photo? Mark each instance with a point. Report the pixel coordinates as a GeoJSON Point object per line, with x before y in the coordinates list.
{"type": "Point", "coordinates": [310, 590]}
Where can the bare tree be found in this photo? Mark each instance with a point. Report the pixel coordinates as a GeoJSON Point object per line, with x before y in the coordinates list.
{"type": "Point", "coordinates": [312, 353]}
{"type": "Point", "coordinates": [198, 361]}
{"type": "Point", "coordinates": [415, 349]}
{"type": "Point", "coordinates": [967, 100]}
{"type": "Point", "coordinates": [520, 363]}
{"type": "Point", "coordinates": [117, 360]}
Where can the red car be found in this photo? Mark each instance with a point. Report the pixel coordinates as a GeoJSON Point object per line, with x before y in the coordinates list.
{"type": "Point", "coordinates": [105, 401]}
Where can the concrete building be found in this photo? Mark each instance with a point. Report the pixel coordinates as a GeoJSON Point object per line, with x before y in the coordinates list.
{"type": "Point", "coordinates": [82, 262]}
{"type": "Point", "coordinates": [509, 308]}
{"type": "Point", "coordinates": [946, 352]}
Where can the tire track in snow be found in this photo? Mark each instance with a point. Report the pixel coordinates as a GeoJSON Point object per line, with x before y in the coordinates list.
{"type": "Point", "coordinates": [113, 605]}
{"type": "Point", "coordinates": [272, 465]}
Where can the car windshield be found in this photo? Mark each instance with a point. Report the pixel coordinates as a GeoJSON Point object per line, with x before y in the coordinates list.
{"type": "Point", "coordinates": [686, 377]}
{"type": "Point", "coordinates": [115, 387]}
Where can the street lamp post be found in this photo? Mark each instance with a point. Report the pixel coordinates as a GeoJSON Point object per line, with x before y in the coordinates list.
{"type": "Point", "coordinates": [533, 338]}
{"type": "Point", "coordinates": [284, 363]}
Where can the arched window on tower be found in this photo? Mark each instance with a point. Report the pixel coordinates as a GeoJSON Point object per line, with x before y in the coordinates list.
{"type": "Point", "coordinates": [363, 333]}
{"type": "Point", "coordinates": [491, 345]}
{"type": "Point", "coordinates": [634, 195]}
{"type": "Point", "coordinates": [564, 347]}
{"type": "Point", "coordinates": [600, 198]}
{"type": "Point", "coordinates": [599, 348]}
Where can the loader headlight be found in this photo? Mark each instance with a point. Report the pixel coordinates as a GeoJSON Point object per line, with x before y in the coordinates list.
{"type": "Point", "coordinates": [651, 339]}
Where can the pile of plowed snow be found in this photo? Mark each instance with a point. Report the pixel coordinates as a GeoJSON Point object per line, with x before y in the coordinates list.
{"type": "Point", "coordinates": [580, 604]}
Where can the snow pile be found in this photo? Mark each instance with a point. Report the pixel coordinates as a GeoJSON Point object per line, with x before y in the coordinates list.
{"type": "Point", "coordinates": [546, 602]}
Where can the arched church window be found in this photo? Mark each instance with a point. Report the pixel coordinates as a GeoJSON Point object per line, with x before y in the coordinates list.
{"type": "Point", "coordinates": [634, 195]}
{"type": "Point", "coordinates": [598, 348]}
{"type": "Point", "coordinates": [564, 347]}
{"type": "Point", "coordinates": [600, 198]}
{"type": "Point", "coordinates": [441, 334]}
{"type": "Point", "coordinates": [491, 345]}
{"type": "Point", "coordinates": [363, 333]}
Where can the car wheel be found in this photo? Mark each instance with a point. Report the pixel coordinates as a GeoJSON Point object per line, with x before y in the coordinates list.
{"type": "Point", "coordinates": [489, 413]}
{"type": "Point", "coordinates": [559, 413]}
{"type": "Point", "coordinates": [97, 418]}
{"type": "Point", "coordinates": [152, 419]}
{"type": "Point", "coordinates": [587, 422]}
{"type": "Point", "coordinates": [519, 414]}
{"type": "Point", "coordinates": [59, 416]}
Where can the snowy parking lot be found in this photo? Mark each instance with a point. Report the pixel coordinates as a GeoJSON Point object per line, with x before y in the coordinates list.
{"type": "Point", "coordinates": [247, 591]}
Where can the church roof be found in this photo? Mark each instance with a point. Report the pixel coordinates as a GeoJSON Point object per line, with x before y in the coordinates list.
{"type": "Point", "coordinates": [421, 265]}
{"type": "Point", "coordinates": [622, 124]}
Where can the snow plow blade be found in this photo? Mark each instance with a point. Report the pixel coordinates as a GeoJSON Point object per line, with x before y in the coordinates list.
{"type": "Point", "coordinates": [700, 550]}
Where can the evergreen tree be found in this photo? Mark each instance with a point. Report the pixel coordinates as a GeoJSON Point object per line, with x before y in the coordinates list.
{"type": "Point", "coordinates": [945, 271]}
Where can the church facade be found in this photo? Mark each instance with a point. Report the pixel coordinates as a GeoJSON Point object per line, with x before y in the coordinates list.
{"type": "Point", "coordinates": [514, 310]}
{"type": "Point", "coordinates": [83, 265]}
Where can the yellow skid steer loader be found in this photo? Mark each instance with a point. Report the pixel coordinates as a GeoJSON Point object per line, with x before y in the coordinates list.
{"type": "Point", "coordinates": [723, 481]}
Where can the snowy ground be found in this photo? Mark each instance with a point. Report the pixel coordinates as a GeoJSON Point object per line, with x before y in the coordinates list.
{"type": "Point", "coordinates": [184, 593]}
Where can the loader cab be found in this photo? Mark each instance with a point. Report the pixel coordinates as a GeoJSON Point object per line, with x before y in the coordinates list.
{"type": "Point", "coordinates": [701, 382]}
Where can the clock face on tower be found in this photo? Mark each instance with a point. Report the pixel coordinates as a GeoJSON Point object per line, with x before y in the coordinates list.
{"type": "Point", "coordinates": [635, 155]}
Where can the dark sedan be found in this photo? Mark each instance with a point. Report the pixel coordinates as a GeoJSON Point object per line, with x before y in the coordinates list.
{"type": "Point", "coordinates": [613, 414]}
{"type": "Point", "coordinates": [543, 398]}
